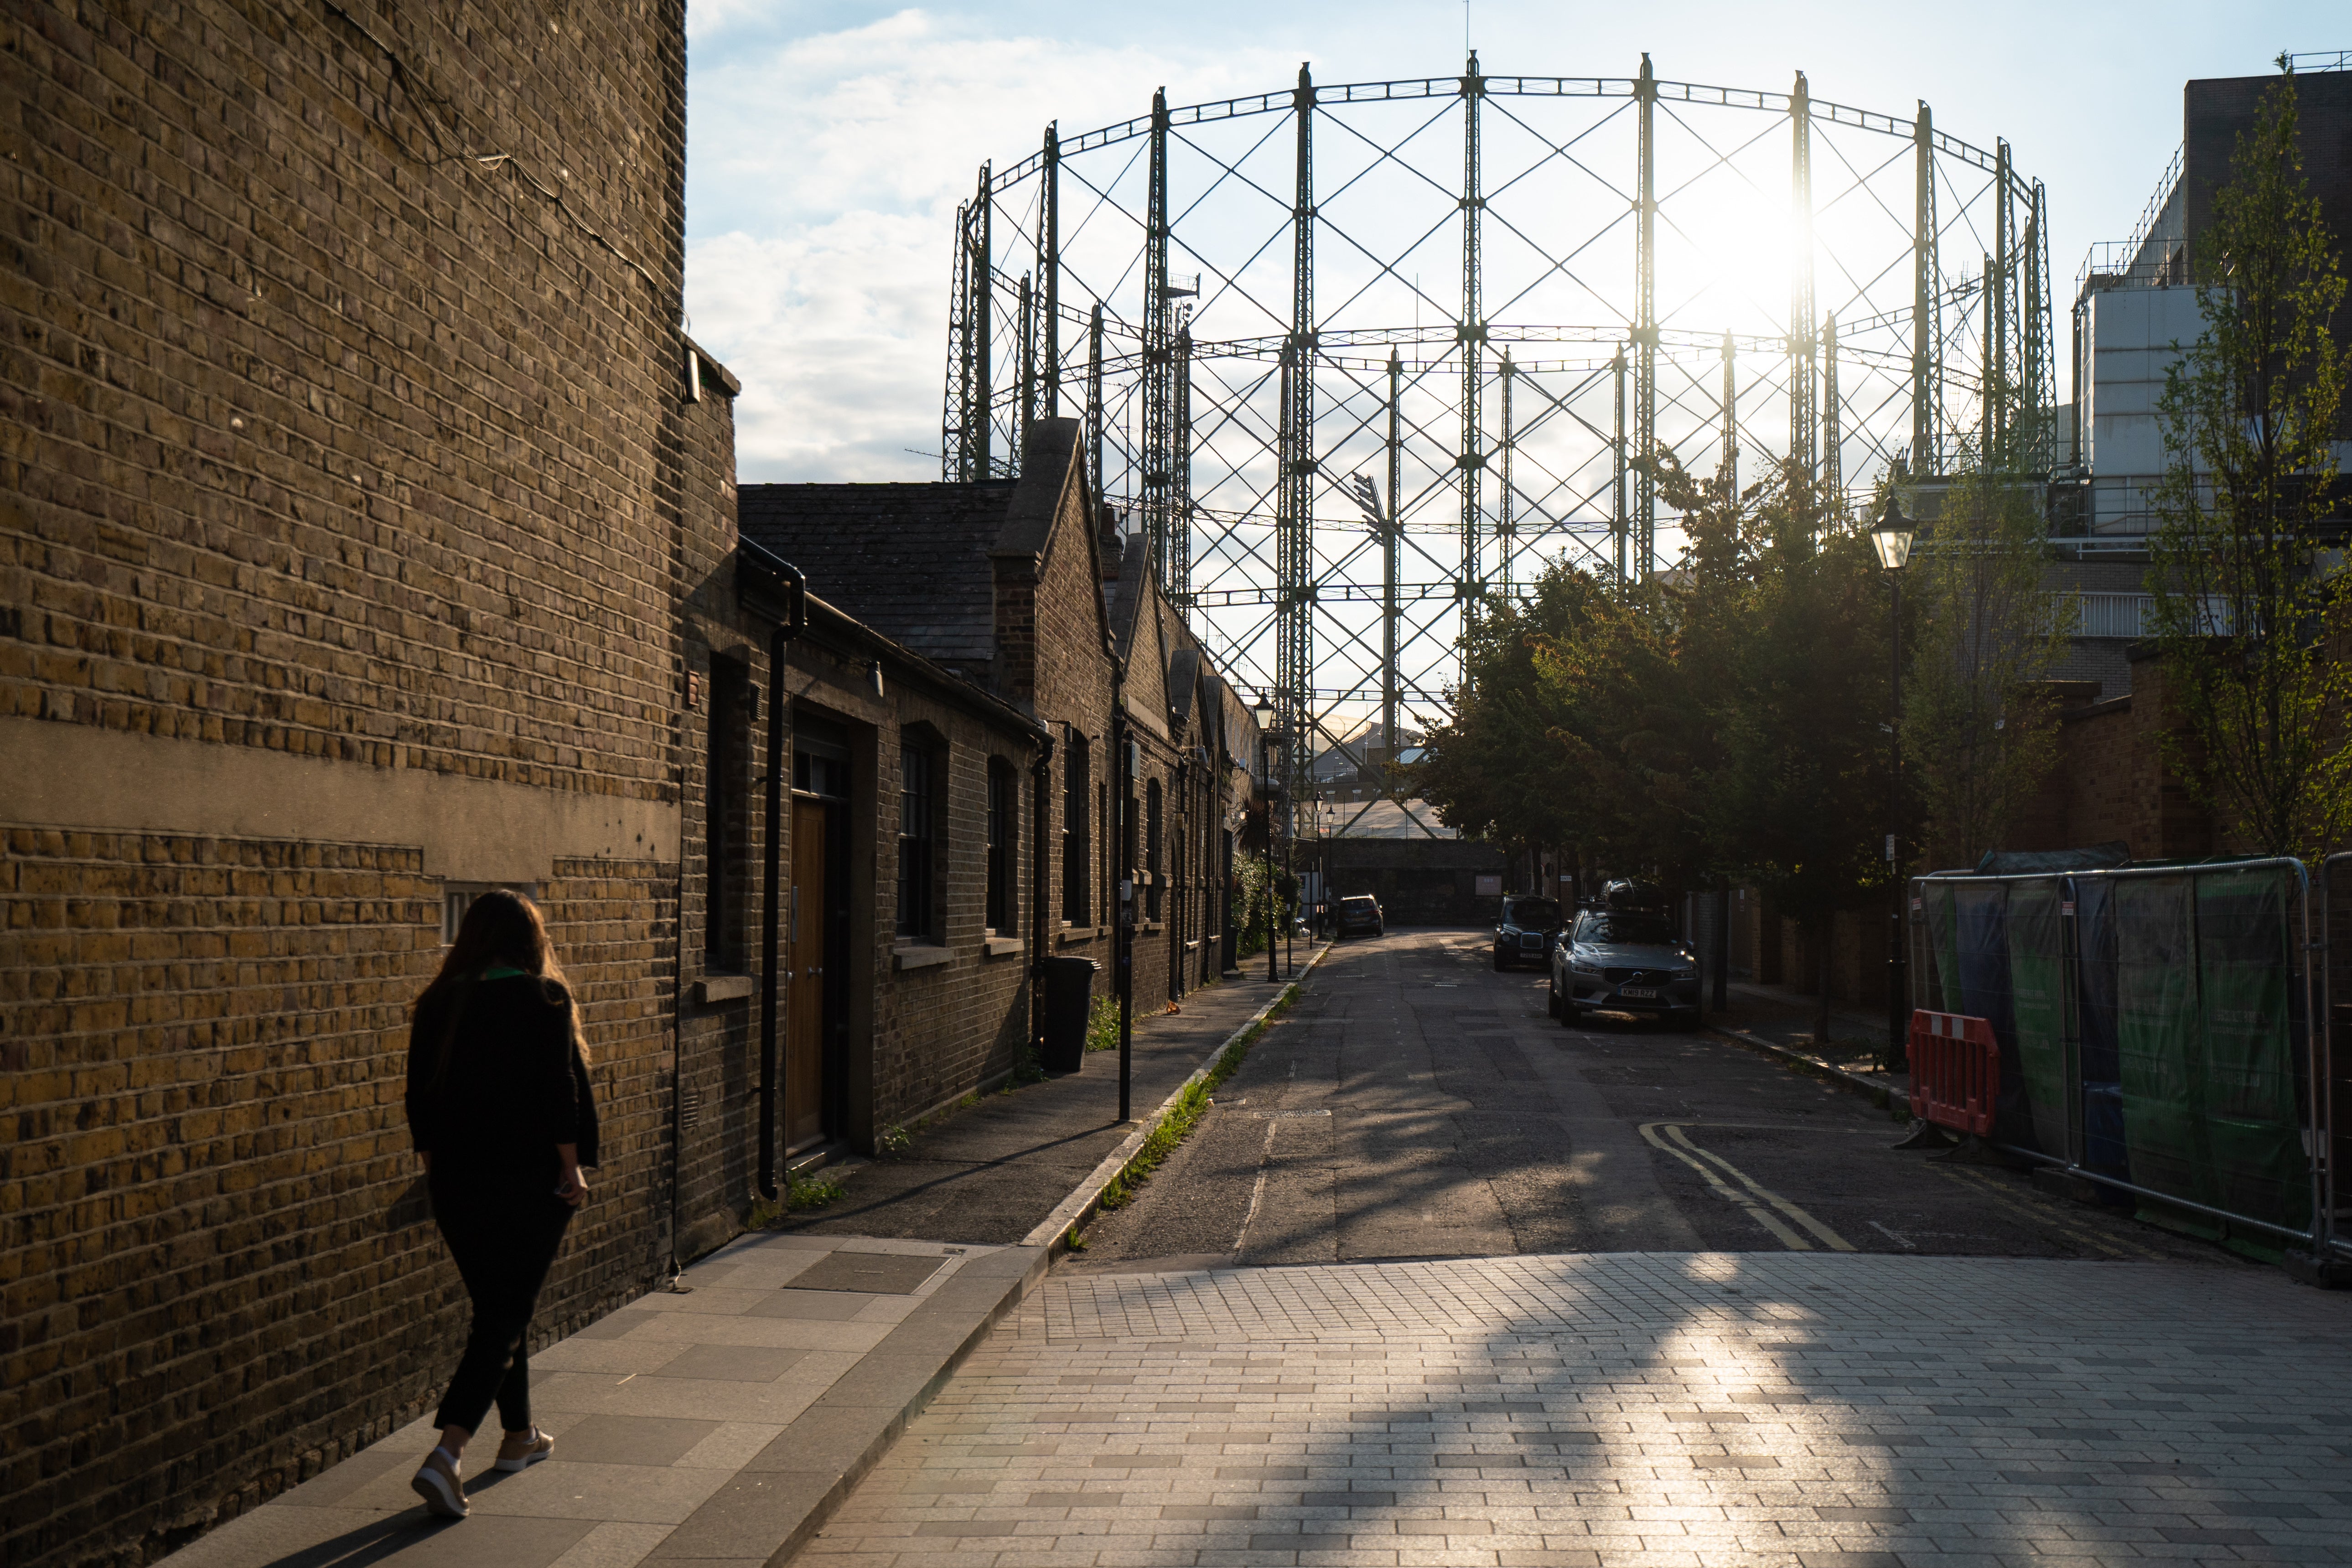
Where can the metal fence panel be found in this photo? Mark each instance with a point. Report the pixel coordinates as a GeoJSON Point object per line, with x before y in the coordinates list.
{"type": "Point", "coordinates": [2156, 1024]}
{"type": "Point", "coordinates": [2037, 978]}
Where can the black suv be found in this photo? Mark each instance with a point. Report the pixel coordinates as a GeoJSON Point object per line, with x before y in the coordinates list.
{"type": "Point", "coordinates": [1524, 927]}
{"type": "Point", "coordinates": [1361, 912]}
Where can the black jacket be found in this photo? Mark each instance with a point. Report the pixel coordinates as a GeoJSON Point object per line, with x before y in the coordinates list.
{"type": "Point", "coordinates": [507, 1085]}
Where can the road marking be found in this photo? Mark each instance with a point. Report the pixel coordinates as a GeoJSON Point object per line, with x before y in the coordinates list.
{"type": "Point", "coordinates": [1756, 1211]}
{"type": "Point", "coordinates": [1897, 1238]}
{"type": "Point", "coordinates": [1257, 1189]}
{"type": "Point", "coordinates": [1828, 1238]}
{"type": "Point", "coordinates": [1753, 1199]}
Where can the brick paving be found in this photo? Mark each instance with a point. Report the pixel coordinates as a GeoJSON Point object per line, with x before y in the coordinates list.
{"type": "Point", "coordinates": [1698, 1410]}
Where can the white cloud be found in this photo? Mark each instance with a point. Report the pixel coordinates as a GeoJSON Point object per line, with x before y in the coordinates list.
{"type": "Point", "coordinates": [837, 335]}
{"type": "Point", "coordinates": [823, 176]}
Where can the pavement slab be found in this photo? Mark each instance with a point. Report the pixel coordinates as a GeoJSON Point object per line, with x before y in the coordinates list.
{"type": "Point", "coordinates": [714, 1425]}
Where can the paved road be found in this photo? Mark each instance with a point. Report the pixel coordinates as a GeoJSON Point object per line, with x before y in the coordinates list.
{"type": "Point", "coordinates": [1414, 1103]}
{"type": "Point", "coordinates": [1441, 1281]}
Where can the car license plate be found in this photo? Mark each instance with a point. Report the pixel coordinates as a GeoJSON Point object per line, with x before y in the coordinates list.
{"type": "Point", "coordinates": [1638, 992]}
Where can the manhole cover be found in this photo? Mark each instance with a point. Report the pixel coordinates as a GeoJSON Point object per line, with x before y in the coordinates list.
{"type": "Point", "coordinates": [876, 1273]}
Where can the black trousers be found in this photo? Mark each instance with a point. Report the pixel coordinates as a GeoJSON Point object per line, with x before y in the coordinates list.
{"type": "Point", "coordinates": [503, 1230]}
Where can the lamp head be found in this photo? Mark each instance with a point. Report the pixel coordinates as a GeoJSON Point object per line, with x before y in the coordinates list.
{"type": "Point", "coordinates": [1893, 535]}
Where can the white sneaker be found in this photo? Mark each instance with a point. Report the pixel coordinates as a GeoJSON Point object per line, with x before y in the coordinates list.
{"type": "Point", "coordinates": [439, 1484]}
{"type": "Point", "coordinates": [537, 1446]}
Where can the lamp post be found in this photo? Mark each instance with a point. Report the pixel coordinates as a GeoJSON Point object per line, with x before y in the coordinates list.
{"type": "Point", "coordinates": [1891, 538]}
{"type": "Point", "coordinates": [1263, 711]}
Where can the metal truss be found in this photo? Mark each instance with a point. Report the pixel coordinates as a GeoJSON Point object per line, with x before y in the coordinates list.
{"type": "Point", "coordinates": [1359, 359]}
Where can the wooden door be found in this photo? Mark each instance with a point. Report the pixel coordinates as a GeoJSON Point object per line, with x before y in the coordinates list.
{"type": "Point", "coordinates": [805, 1042]}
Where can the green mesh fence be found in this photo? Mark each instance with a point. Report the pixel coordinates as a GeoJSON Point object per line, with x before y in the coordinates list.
{"type": "Point", "coordinates": [2159, 1036]}
{"type": "Point", "coordinates": [2253, 1122]}
{"type": "Point", "coordinates": [2037, 980]}
{"type": "Point", "coordinates": [2191, 976]}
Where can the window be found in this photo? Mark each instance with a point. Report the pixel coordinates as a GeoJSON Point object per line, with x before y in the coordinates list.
{"type": "Point", "coordinates": [457, 898]}
{"type": "Point", "coordinates": [916, 906]}
{"type": "Point", "coordinates": [726, 821]}
{"type": "Point", "coordinates": [1003, 828]}
{"type": "Point", "coordinates": [1151, 849]}
{"type": "Point", "coordinates": [1077, 849]}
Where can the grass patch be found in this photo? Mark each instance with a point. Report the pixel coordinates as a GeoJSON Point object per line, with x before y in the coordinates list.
{"type": "Point", "coordinates": [1185, 1114]}
{"type": "Point", "coordinates": [1102, 1024]}
{"type": "Point", "coordinates": [802, 1192]}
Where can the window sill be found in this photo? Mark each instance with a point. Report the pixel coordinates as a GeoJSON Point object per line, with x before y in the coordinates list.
{"type": "Point", "coordinates": [713, 988]}
{"type": "Point", "coordinates": [919, 955]}
{"type": "Point", "coordinates": [1000, 946]}
{"type": "Point", "coordinates": [1153, 928]}
{"type": "Point", "coordinates": [1071, 934]}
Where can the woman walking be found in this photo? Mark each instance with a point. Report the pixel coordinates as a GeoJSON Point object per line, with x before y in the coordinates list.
{"type": "Point", "coordinates": [498, 1104]}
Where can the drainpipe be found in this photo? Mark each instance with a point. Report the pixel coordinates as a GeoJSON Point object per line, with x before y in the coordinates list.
{"type": "Point", "coordinates": [1041, 780]}
{"type": "Point", "coordinates": [1122, 947]}
{"type": "Point", "coordinates": [773, 589]}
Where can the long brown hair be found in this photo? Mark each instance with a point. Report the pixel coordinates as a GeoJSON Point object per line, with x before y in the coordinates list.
{"type": "Point", "coordinates": [500, 926]}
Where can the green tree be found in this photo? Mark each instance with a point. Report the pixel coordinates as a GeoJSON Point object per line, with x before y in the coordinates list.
{"type": "Point", "coordinates": [1979, 728]}
{"type": "Point", "coordinates": [1493, 769]}
{"type": "Point", "coordinates": [2246, 613]}
{"type": "Point", "coordinates": [1796, 658]}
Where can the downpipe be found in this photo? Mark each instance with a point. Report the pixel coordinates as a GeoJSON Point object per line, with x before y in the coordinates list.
{"type": "Point", "coordinates": [774, 589]}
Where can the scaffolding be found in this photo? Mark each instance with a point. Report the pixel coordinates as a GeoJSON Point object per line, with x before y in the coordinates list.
{"type": "Point", "coordinates": [1359, 360]}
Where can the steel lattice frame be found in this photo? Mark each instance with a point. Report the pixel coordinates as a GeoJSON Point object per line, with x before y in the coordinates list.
{"type": "Point", "coordinates": [1329, 488]}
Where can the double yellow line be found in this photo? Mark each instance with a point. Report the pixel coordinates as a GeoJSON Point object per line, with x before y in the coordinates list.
{"type": "Point", "coordinates": [1757, 1200]}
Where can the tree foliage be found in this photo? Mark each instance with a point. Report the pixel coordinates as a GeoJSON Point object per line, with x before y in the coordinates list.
{"type": "Point", "coordinates": [2251, 624]}
{"type": "Point", "coordinates": [1980, 727]}
{"type": "Point", "coordinates": [1726, 719]}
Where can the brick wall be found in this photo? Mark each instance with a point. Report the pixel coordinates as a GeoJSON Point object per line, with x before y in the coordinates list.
{"type": "Point", "coordinates": [347, 483]}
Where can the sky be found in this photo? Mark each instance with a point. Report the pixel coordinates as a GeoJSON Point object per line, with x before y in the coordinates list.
{"type": "Point", "coordinates": [829, 143]}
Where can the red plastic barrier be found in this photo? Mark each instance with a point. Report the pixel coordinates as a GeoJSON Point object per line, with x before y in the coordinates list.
{"type": "Point", "coordinates": [1955, 1071]}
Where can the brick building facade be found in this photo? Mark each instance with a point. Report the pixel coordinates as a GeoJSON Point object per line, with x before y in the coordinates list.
{"type": "Point", "coordinates": [982, 700]}
{"type": "Point", "coordinates": [352, 463]}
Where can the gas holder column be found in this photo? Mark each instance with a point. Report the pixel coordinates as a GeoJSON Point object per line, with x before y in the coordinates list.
{"type": "Point", "coordinates": [1471, 333]}
{"type": "Point", "coordinates": [1645, 322]}
{"type": "Point", "coordinates": [1390, 529]}
{"type": "Point", "coordinates": [1804, 410]}
{"type": "Point", "coordinates": [1926, 329]}
{"type": "Point", "coordinates": [1158, 352]}
{"type": "Point", "coordinates": [1049, 266]}
{"type": "Point", "coordinates": [1294, 511]}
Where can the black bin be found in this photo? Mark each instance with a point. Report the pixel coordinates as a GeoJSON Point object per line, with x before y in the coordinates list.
{"type": "Point", "coordinates": [1069, 988]}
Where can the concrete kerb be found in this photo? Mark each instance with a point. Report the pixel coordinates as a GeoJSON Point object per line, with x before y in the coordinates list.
{"type": "Point", "coordinates": [883, 1424]}
{"type": "Point", "coordinates": [1884, 1095]}
{"type": "Point", "coordinates": [1071, 1214]}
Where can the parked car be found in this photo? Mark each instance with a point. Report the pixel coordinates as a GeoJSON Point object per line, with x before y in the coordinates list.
{"type": "Point", "coordinates": [1360, 914]}
{"type": "Point", "coordinates": [1524, 927]}
{"type": "Point", "coordinates": [1624, 961]}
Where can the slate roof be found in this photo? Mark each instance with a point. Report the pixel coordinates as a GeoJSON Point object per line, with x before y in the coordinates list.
{"type": "Point", "coordinates": [908, 560]}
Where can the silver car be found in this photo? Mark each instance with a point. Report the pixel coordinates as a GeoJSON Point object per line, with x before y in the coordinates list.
{"type": "Point", "coordinates": [1620, 961]}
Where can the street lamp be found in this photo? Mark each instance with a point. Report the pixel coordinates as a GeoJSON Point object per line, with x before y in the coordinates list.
{"type": "Point", "coordinates": [1891, 538]}
{"type": "Point", "coordinates": [1264, 712]}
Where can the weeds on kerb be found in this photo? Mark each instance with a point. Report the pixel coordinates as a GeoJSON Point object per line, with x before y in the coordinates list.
{"type": "Point", "coordinates": [1184, 1116]}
